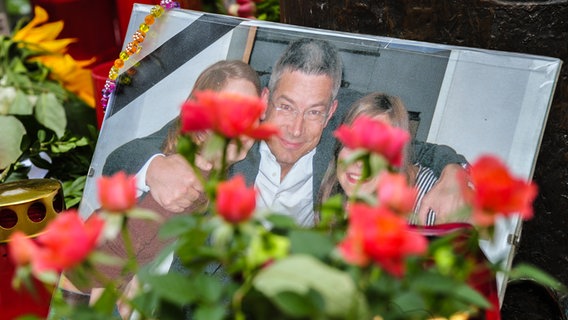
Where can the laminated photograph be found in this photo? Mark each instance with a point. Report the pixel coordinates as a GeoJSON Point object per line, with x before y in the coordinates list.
{"type": "Point", "coordinates": [472, 100]}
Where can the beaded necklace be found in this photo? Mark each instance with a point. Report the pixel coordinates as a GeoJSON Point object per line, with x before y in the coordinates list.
{"type": "Point", "coordinates": [134, 47]}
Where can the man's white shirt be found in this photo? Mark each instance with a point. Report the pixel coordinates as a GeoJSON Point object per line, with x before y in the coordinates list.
{"type": "Point", "coordinates": [293, 195]}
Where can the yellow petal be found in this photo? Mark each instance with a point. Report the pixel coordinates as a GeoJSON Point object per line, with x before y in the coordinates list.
{"type": "Point", "coordinates": [75, 81]}
{"type": "Point", "coordinates": [86, 63]}
{"type": "Point", "coordinates": [48, 31]}
{"type": "Point", "coordinates": [58, 64]}
{"type": "Point", "coordinates": [56, 46]}
{"type": "Point", "coordinates": [80, 82]}
{"type": "Point", "coordinates": [40, 16]}
{"type": "Point", "coordinates": [71, 74]}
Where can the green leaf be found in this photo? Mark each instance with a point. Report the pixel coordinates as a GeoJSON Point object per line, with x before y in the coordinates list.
{"type": "Point", "coordinates": [177, 225]}
{"type": "Point", "coordinates": [72, 201]}
{"type": "Point", "coordinates": [53, 86]}
{"type": "Point", "coordinates": [39, 162]}
{"type": "Point", "coordinates": [11, 133]}
{"type": "Point", "coordinates": [77, 184]}
{"type": "Point", "coordinates": [433, 282]}
{"type": "Point", "coordinates": [17, 66]}
{"type": "Point", "coordinates": [50, 113]}
{"type": "Point", "coordinates": [310, 242]}
{"type": "Point", "coordinates": [62, 147]}
{"type": "Point", "coordinates": [20, 80]}
{"type": "Point", "coordinates": [83, 141]}
{"type": "Point", "coordinates": [146, 304]}
{"type": "Point", "coordinates": [267, 246]}
{"type": "Point", "coordinates": [211, 288]}
{"type": "Point", "coordinates": [80, 117]}
{"type": "Point", "coordinates": [107, 301]}
{"type": "Point", "coordinates": [146, 214]}
{"type": "Point", "coordinates": [174, 287]}
{"type": "Point", "coordinates": [281, 221]}
{"type": "Point", "coordinates": [439, 284]}
{"type": "Point", "coordinates": [523, 271]}
{"type": "Point", "coordinates": [445, 259]}
{"type": "Point", "coordinates": [469, 295]}
{"type": "Point", "coordinates": [409, 301]}
{"type": "Point", "coordinates": [301, 273]}
{"type": "Point", "coordinates": [41, 135]}
{"type": "Point", "coordinates": [21, 104]}
{"type": "Point", "coordinates": [298, 305]}
{"type": "Point", "coordinates": [210, 312]}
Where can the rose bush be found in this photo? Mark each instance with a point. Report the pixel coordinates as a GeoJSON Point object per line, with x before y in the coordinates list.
{"type": "Point", "coordinates": [361, 260]}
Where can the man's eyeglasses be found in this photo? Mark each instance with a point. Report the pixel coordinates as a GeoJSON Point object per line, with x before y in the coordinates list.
{"type": "Point", "coordinates": [289, 112]}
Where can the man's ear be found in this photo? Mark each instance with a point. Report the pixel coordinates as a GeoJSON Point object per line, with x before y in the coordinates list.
{"type": "Point", "coordinates": [331, 111]}
{"type": "Point", "coordinates": [264, 95]}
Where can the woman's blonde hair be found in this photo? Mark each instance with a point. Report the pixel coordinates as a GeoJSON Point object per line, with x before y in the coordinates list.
{"type": "Point", "coordinates": [214, 78]}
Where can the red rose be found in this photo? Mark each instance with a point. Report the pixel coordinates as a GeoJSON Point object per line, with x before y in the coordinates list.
{"type": "Point", "coordinates": [375, 136]}
{"type": "Point", "coordinates": [22, 248]}
{"type": "Point", "coordinates": [494, 191]}
{"type": "Point", "coordinates": [235, 201]}
{"type": "Point", "coordinates": [65, 242]}
{"type": "Point", "coordinates": [118, 192]}
{"type": "Point", "coordinates": [394, 192]}
{"type": "Point", "coordinates": [195, 118]}
{"type": "Point", "coordinates": [379, 235]}
{"type": "Point", "coordinates": [228, 114]}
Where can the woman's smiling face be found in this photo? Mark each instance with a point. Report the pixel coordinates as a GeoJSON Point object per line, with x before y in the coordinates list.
{"type": "Point", "coordinates": [349, 176]}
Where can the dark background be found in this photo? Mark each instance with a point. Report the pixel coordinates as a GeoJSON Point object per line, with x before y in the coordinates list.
{"type": "Point", "coordinates": [535, 27]}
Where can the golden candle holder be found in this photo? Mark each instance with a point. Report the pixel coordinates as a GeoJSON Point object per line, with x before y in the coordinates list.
{"type": "Point", "coordinates": [27, 206]}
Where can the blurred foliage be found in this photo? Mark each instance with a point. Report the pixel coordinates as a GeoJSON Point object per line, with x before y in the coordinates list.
{"type": "Point", "coordinates": [268, 10]}
{"type": "Point", "coordinates": [43, 125]}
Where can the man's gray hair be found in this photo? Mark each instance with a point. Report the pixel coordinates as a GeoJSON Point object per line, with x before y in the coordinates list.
{"type": "Point", "coordinates": [309, 56]}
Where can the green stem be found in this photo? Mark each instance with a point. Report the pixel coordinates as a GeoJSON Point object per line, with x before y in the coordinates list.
{"type": "Point", "coordinates": [131, 264]}
{"type": "Point", "coordinates": [101, 277]}
{"type": "Point", "coordinates": [239, 296]}
{"type": "Point", "coordinates": [226, 142]}
{"type": "Point", "coordinates": [6, 172]}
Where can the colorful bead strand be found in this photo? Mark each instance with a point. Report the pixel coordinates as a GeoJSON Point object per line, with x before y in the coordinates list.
{"type": "Point", "coordinates": [134, 47]}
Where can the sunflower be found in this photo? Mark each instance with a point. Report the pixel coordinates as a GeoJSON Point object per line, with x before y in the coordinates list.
{"type": "Point", "coordinates": [39, 36]}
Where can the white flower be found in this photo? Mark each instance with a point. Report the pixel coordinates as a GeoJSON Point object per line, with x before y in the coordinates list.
{"type": "Point", "coordinates": [7, 96]}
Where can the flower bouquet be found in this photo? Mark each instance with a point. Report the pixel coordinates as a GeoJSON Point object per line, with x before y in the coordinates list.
{"type": "Point", "coordinates": [46, 107]}
{"type": "Point", "coordinates": [361, 260]}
